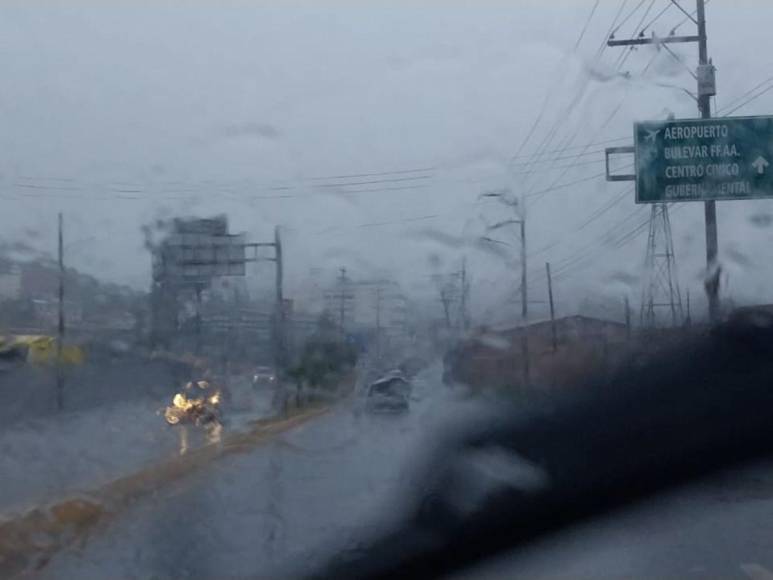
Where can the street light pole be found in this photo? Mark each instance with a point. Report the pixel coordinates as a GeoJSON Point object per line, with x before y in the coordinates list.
{"type": "Point", "coordinates": [502, 196]}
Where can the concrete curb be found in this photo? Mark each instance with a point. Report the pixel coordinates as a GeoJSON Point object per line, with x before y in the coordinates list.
{"type": "Point", "coordinates": [29, 540]}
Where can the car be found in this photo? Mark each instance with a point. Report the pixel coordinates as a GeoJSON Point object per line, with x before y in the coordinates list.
{"type": "Point", "coordinates": [264, 376]}
{"type": "Point", "coordinates": [389, 394]}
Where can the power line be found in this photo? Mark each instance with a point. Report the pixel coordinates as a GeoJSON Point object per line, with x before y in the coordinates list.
{"type": "Point", "coordinates": [605, 238]}
{"type": "Point", "coordinates": [657, 17]}
{"type": "Point", "coordinates": [603, 46]}
{"type": "Point", "coordinates": [604, 209]}
{"type": "Point", "coordinates": [621, 241]}
{"type": "Point", "coordinates": [734, 100]}
{"type": "Point", "coordinates": [560, 150]}
{"type": "Point", "coordinates": [627, 54]}
{"type": "Point", "coordinates": [541, 192]}
{"type": "Point", "coordinates": [606, 122]}
{"type": "Point", "coordinates": [371, 182]}
{"type": "Point", "coordinates": [587, 22]}
{"type": "Point", "coordinates": [631, 13]}
{"type": "Point", "coordinates": [603, 126]}
{"type": "Point", "coordinates": [747, 101]}
{"type": "Point", "coordinates": [377, 174]}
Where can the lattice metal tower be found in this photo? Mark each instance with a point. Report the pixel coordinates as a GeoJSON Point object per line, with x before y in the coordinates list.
{"type": "Point", "coordinates": [660, 292]}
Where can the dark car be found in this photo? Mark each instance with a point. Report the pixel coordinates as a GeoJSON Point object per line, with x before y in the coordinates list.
{"type": "Point", "coordinates": [264, 376]}
{"type": "Point", "coordinates": [390, 394]}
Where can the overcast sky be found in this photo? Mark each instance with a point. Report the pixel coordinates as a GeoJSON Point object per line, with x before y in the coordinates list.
{"type": "Point", "coordinates": [120, 113]}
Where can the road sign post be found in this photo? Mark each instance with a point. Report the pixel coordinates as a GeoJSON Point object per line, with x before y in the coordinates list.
{"type": "Point", "coordinates": [704, 159]}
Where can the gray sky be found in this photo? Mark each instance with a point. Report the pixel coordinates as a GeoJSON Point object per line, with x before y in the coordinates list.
{"type": "Point", "coordinates": [118, 113]}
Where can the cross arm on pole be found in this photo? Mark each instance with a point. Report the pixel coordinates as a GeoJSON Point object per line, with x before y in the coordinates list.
{"type": "Point", "coordinates": [655, 40]}
{"type": "Point", "coordinates": [501, 224]}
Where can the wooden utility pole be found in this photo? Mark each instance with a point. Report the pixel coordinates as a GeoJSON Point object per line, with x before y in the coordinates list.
{"type": "Point", "coordinates": [342, 296]}
{"type": "Point", "coordinates": [198, 326]}
{"type": "Point", "coordinates": [688, 319]}
{"type": "Point", "coordinates": [524, 308]}
{"type": "Point", "coordinates": [342, 301]}
{"type": "Point", "coordinates": [627, 318]}
{"type": "Point", "coordinates": [280, 338]}
{"type": "Point", "coordinates": [378, 322]}
{"type": "Point", "coordinates": [60, 325]}
{"type": "Point", "coordinates": [552, 309]}
{"type": "Point", "coordinates": [710, 207]}
{"type": "Point", "coordinates": [463, 303]}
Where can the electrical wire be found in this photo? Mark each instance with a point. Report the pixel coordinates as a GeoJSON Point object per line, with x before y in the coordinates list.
{"type": "Point", "coordinates": [735, 100]}
{"type": "Point", "coordinates": [631, 13]}
{"type": "Point", "coordinates": [635, 33]}
{"type": "Point", "coordinates": [603, 45]}
{"type": "Point", "coordinates": [557, 150]}
{"type": "Point", "coordinates": [587, 23]}
{"type": "Point", "coordinates": [657, 17]}
{"type": "Point", "coordinates": [747, 101]}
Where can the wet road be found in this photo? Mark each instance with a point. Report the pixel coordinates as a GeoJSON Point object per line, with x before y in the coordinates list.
{"type": "Point", "coordinates": [326, 485]}
{"type": "Point", "coordinates": [315, 489]}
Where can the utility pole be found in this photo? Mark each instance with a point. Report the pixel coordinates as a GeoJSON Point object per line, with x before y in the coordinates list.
{"type": "Point", "coordinates": [463, 303]}
{"type": "Point", "coordinates": [688, 319]}
{"type": "Point", "coordinates": [704, 104]}
{"type": "Point", "coordinates": [627, 318]}
{"type": "Point", "coordinates": [197, 330]}
{"type": "Point", "coordinates": [343, 296]}
{"type": "Point", "coordinates": [552, 309]}
{"type": "Point", "coordinates": [524, 307]}
{"type": "Point", "coordinates": [278, 328]}
{"type": "Point", "coordinates": [280, 336]}
{"type": "Point", "coordinates": [706, 89]}
{"type": "Point", "coordinates": [378, 322]}
{"type": "Point", "coordinates": [60, 325]}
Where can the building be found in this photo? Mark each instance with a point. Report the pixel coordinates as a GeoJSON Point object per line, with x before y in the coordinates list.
{"type": "Point", "coordinates": [10, 282]}
{"type": "Point", "coordinates": [495, 359]}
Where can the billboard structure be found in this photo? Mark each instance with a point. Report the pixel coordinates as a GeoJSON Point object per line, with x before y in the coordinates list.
{"type": "Point", "coordinates": [198, 250]}
{"type": "Point", "coordinates": [191, 254]}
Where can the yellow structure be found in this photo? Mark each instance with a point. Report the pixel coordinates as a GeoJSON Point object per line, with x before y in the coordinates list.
{"type": "Point", "coordinates": [41, 349]}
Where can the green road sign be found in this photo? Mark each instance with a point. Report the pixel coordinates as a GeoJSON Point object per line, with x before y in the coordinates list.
{"type": "Point", "coordinates": [704, 159]}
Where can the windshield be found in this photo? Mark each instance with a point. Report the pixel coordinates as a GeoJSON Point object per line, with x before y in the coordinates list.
{"type": "Point", "coordinates": [394, 387]}
{"type": "Point", "coordinates": [225, 226]}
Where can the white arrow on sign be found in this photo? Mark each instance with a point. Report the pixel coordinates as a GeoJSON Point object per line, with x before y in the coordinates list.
{"type": "Point", "coordinates": [760, 164]}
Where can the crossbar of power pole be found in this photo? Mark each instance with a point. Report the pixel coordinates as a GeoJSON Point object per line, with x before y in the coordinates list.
{"type": "Point", "coordinates": [654, 40]}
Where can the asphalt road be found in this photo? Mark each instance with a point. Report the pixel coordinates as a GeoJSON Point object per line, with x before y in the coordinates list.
{"type": "Point", "coordinates": [311, 492]}
{"type": "Point", "coordinates": [325, 486]}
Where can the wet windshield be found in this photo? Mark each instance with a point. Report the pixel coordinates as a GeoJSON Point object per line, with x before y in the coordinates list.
{"type": "Point", "coordinates": [226, 225]}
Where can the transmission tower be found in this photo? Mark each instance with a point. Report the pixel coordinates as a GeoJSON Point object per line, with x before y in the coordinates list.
{"type": "Point", "coordinates": [660, 292]}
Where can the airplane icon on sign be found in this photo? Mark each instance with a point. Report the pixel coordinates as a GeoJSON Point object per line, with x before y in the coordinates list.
{"type": "Point", "coordinates": [651, 135]}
